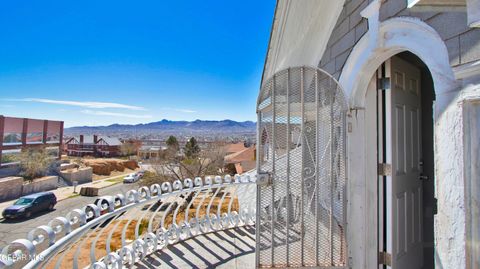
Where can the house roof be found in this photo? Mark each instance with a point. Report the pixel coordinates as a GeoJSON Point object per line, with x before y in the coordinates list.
{"type": "Point", "coordinates": [245, 166]}
{"type": "Point", "coordinates": [112, 141]}
{"type": "Point", "coordinates": [88, 139]}
{"type": "Point", "coordinates": [248, 154]}
{"type": "Point", "coordinates": [151, 148]}
{"type": "Point", "coordinates": [300, 32]}
{"type": "Point", "coordinates": [232, 148]}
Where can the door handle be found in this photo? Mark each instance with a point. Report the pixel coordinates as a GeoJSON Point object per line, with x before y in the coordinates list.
{"type": "Point", "coordinates": [423, 177]}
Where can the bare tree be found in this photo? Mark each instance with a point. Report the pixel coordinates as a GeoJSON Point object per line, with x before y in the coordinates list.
{"type": "Point", "coordinates": [209, 161]}
{"type": "Point", "coordinates": [130, 147]}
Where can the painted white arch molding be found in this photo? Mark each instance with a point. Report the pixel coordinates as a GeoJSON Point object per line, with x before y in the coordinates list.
{"type": "Point", "coordinates": [394, 36]}
{"type": "Point", "coordinates": [382, 41]}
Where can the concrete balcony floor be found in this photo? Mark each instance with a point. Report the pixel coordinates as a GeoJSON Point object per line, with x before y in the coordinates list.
{"type": "Point", "coordinates": [233, 248]}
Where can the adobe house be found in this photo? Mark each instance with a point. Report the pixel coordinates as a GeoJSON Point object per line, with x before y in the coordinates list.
{"type": "Point", "coordinates": [149, 152]}
{"type": "Point", "coordinates": [406, 80]}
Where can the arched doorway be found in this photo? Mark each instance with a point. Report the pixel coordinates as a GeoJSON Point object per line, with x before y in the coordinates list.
{"type": "Point", "coordinates": [401, 96]}
{"type": "Point", "coordinates": [360, 80]}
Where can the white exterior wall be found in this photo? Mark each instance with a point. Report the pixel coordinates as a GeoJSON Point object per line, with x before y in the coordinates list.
{"type": "Point", "coordinates": [450, 222]}
{"type": "Point", "coordinates": [381, 41]}
{"type": "Point", "coordinates": [451, 52]}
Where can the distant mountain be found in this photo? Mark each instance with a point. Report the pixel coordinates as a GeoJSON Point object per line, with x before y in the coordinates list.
{"type": "Point", "coordinates": [204, 127]}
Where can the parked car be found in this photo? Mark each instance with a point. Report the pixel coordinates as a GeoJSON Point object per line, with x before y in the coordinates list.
{"type": "Point", "coordinates": [131, 178]}
{"type": "Point", "coordinates": [30, 204]}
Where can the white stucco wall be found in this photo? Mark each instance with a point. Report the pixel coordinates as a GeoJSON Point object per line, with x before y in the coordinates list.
{"type": "Point", "coordinates": [471, 114]}
{"type": "Point", "coordinates": [452, 86]}
{"type": "Point", "coordinates": [380, 43]}
{"type": "Point", "coordinates": [450, 220]}
{"type": "Point", "coordinates": [450, 227]}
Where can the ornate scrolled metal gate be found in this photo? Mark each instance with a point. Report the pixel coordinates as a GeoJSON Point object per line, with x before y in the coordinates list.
{"type": "Point", "coordinates": [301, 202]}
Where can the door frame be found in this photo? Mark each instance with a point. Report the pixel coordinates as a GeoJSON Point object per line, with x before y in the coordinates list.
{"type": "Point", "coordinates": [386, 149]}
{"type": "Point", "coordinates": [381, 42]}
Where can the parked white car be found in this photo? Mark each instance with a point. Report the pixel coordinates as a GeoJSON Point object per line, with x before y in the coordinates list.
{"type": "Point", "coordinates": [131, 178]}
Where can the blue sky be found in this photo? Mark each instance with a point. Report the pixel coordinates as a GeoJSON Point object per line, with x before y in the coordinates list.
{"type": "Point", "coordinates": [102, 62]}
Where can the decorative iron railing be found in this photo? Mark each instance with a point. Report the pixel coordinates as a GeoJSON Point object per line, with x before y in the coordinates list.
{"type": "Point", "coordinates": [302, 148]}
{"type": "Point", "coordinates": [123, 229]}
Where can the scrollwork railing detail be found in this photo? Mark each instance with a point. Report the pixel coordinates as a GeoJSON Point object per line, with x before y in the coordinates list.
{"type": "Point", "coordinates": [123, 229]}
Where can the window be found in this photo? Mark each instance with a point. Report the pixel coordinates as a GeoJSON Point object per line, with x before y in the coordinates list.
{"type": "Point", "coordinates": [53, 131]}
{"type": "Point", "coordinates": [35, 131]}
{"type": "Point", "coordinates": [12, 131]}
{"type": "Point", "coordinates": [12, 138]}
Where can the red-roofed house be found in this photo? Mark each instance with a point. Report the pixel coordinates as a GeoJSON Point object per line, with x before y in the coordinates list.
{"type": "Point", "coordinates": [234, 148]}
{"type": "Point", "coordinates": [243, 160]}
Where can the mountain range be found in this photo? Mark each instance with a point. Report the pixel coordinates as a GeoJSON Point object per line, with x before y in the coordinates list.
{"type": "Point", "coordinates": [168, 126]}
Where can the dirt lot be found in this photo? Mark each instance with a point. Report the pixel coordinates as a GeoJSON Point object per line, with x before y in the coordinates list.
{"type": "Point", "coordinates": [103, 168]}
{"type": "Point", "coordinates": [114, 174]}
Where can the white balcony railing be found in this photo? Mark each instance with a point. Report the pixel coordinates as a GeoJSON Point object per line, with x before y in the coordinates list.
{"type": "Point", "coordinates": [123, 229]}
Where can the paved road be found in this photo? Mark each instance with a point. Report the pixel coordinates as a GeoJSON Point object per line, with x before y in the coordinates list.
{"type": "Point", "coordinates": [15, 229]}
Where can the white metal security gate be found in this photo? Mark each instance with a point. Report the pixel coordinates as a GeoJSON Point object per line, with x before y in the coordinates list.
{"type": "Point", "coordinates": [301, 190]}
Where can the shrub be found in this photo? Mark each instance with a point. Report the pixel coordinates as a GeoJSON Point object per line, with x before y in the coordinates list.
{"type": "Point", "coordinates": [34, 162]}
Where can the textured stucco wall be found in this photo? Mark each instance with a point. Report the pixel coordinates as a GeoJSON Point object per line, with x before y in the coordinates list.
{"type": "Point", "coordinates": [450, 220]}
{"type": "Point", "coordinates": [450, 230]}
{"type": "Point", "coordinates": [471, 121]}
{"type": "Point", "coordinates": [463, 46]}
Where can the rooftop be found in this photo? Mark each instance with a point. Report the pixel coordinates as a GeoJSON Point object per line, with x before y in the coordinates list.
{"type": "Point", "coordinates": [89, 139]}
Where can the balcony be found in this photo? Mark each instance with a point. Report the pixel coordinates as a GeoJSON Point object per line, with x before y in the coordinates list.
{"type": "Point", "coordinates": [191, 223]}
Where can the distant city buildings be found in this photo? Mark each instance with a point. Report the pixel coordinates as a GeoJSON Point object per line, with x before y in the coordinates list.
{"type": "Point", "coordinates": [150, 152]}
{"type": "Point", "coordinates": [156, 133]}
{"type": "Point", "coordinates": [93, 145]}
{"type": "Point", "coordinates": [19, 133]}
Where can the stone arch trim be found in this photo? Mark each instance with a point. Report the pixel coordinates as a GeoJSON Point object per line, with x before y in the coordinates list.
{"type": "Point", "coordinates": [391, 37]}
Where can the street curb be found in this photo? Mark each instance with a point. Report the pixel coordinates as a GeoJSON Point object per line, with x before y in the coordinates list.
{"type": "Point", "coordinates": [68, 197]}
{"type": "Point", "coordinates": [65, 198]}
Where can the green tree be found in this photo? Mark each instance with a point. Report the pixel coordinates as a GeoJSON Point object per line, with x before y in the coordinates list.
{"type": "Point", "coordinates": [172, 143]}
{"type": "Point", "coordinates": [191, 148]}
